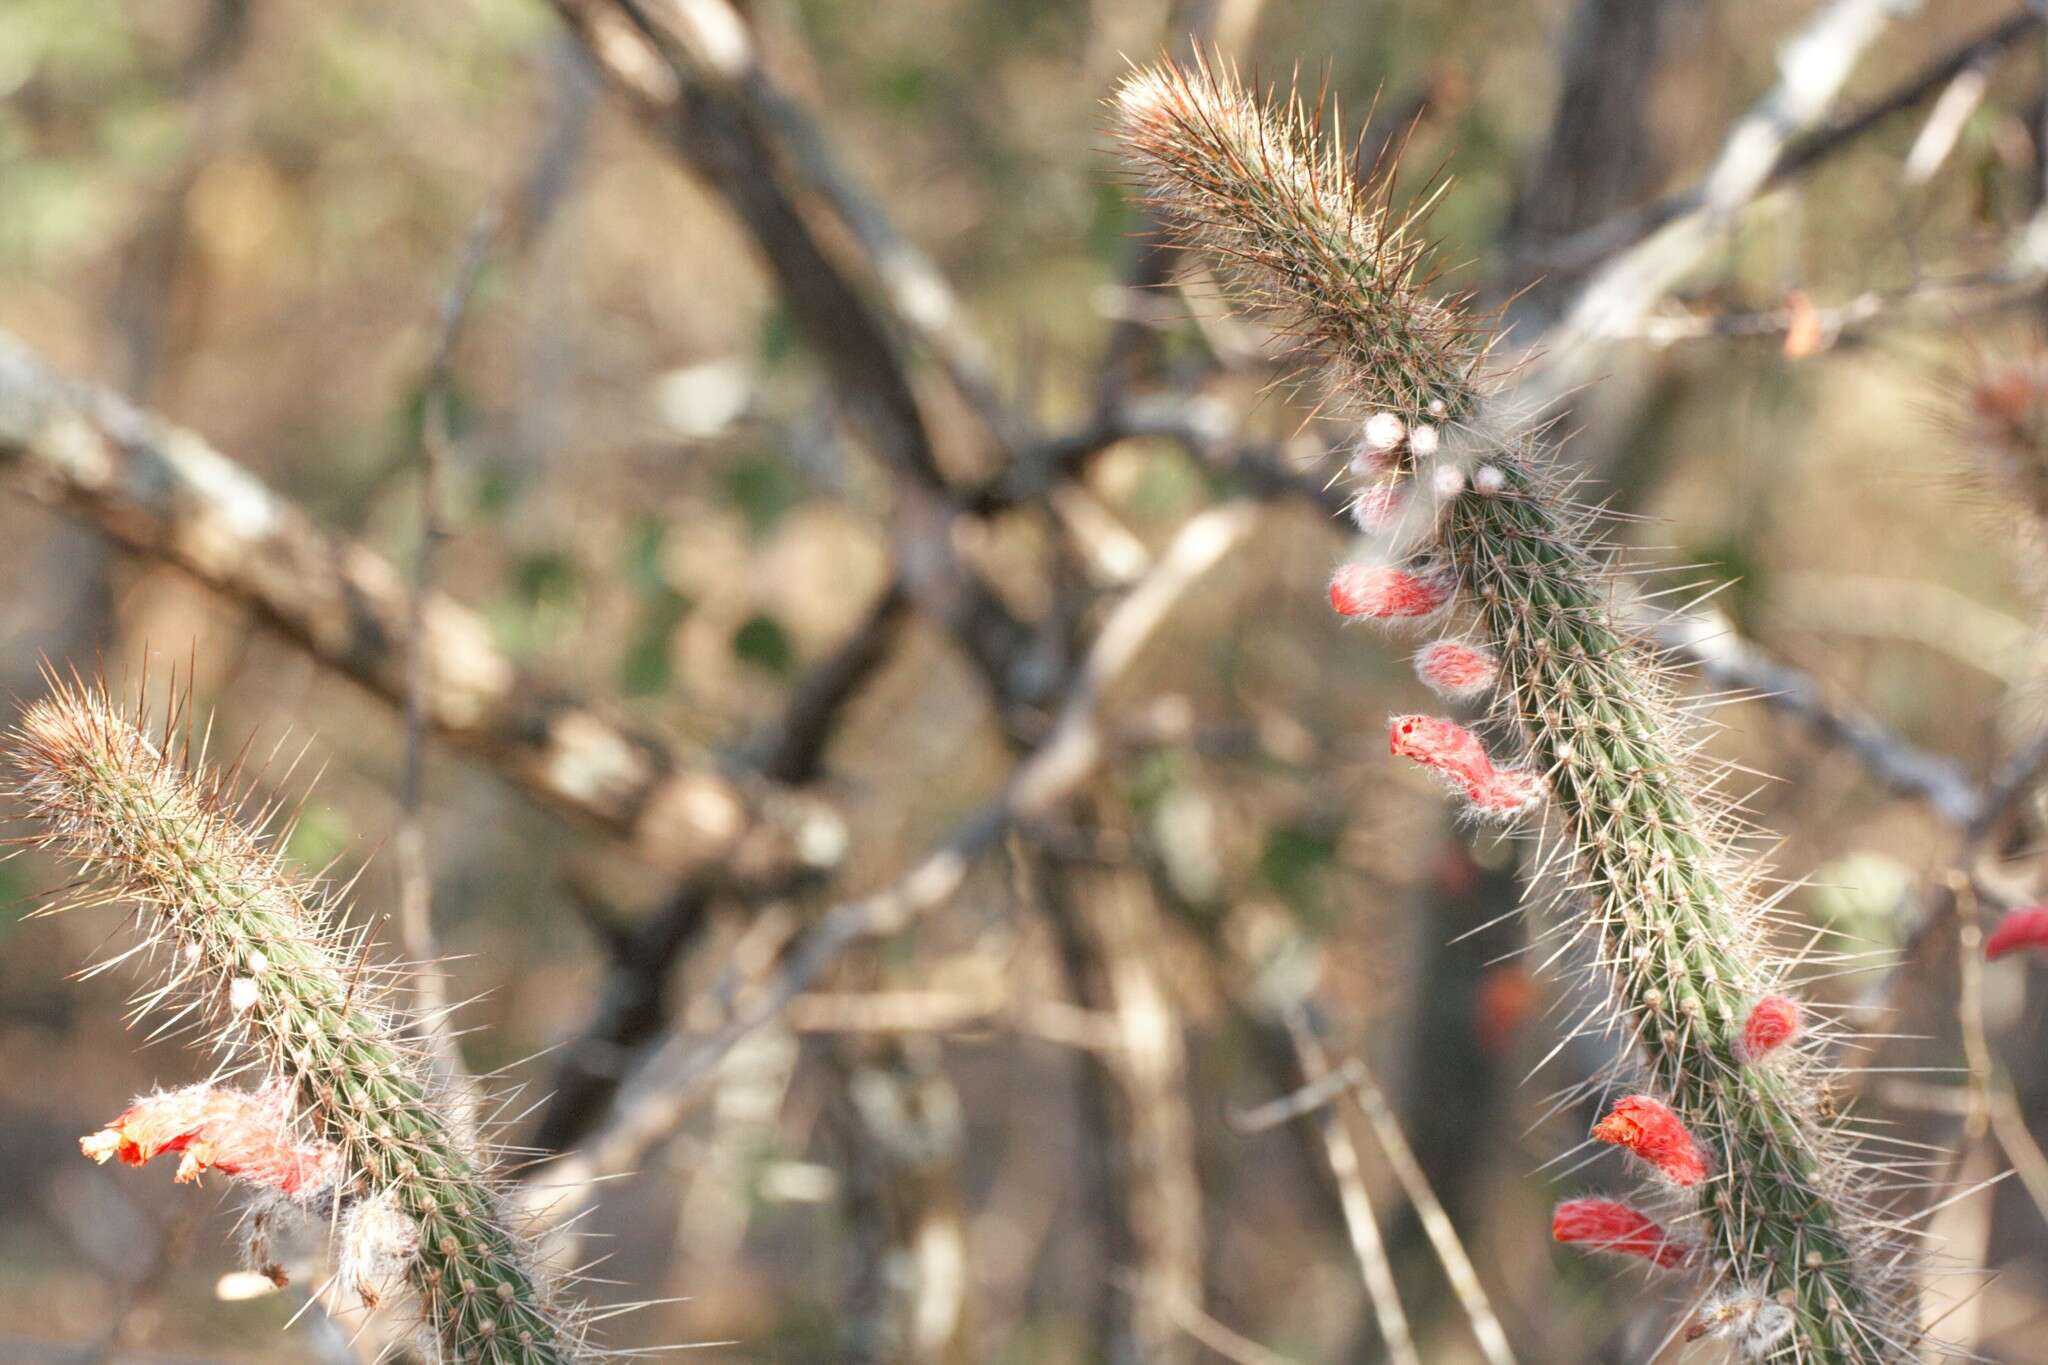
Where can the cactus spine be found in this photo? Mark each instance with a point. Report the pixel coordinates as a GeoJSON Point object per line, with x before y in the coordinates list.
{"type": "Point", "coordinates": [249, 949]}
{"type": "Point", "coordinates": [1677, 928]}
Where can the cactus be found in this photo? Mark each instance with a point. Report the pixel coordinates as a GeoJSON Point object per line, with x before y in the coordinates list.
{"type": "Point", "coordinates": [1757, 1175]}
{"type": "Point", "coordinates": [348, 1122]}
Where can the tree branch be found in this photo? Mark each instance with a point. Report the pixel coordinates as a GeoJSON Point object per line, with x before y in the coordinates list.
{"type": "Point", "coordinates": [164, 493]}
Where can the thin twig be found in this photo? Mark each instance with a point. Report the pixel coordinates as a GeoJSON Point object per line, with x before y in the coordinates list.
{"type": "Point", "coordinates": [415, 871]}
{"type": "Point", "coordinates": [1589, 247]}
{"type": "Point", "coordinates": [1728, 661]}
{"type": "Point", "coordinates": [1493, 1340]}
{"type": "Point", "coordinates": [1813, 65]}
{"type": "Point", "coordinates": [1359, 1219]}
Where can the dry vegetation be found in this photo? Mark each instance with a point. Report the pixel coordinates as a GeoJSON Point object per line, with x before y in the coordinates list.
{"type": "Point", "coordinates": [914, 853]}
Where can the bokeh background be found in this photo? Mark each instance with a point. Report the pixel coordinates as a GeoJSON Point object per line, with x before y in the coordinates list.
{"type": "Point", "coordinates": [1016, 1129]}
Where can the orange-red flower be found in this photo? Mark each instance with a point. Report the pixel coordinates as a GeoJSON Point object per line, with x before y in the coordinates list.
{"type": "Point", "coordinates": [1646, 1126]}
{"type": "Point", "coordinates": [237, 1132]}
{"type": "Point", "coordinates": [2026, 928]}
{"type": "Point", "coordinates": [1773, 1022]}
{"type": "Point", "coordinates": [1608, 1225]}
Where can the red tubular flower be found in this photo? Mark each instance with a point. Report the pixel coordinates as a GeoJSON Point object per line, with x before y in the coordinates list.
{"type": "Point", "coordinates": [1447, 748]}
{"type": "Point", "coordinates": [1646, 1126]}
{"type": "Point", "coordinates": [1773, 1022]}
{"type": "Point", "coordinates": [1456, 671]}
{"type": "Point", "coordinates": [1506, 998]}
{"type": "Point", "coordinates": [1386, 593]}
{"type": "Point", "coordinates": [242, 1134]}
{"type": "Point", "coordinates": [2026, 928]}
{"type": "Point", "coordinates": [1606, 1225]}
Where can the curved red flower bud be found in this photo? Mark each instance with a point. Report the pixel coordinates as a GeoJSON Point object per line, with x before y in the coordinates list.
{"type": "Point", "coordinates": [1455, 753]}
{"type": "Point", "coordinates": [1773, 1022]}
{"type": "Point", "coordinates": [1386, 593]}
{"type": "Point", "coordinates": [1646, 1126]}
{"type": "Point", "coordinates": [1611, 1226]}
{"type": "Point", "coordinates": [2026, 928]}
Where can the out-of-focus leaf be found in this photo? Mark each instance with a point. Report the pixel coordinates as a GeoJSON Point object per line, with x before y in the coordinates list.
{"type": "Point", "coordinates": [648, 666]}
{"type": "Point", "coordinates": [763, 489]}
{"type": "Point", "coordinates": [1295, 855]}
{"type": "Point", "coordinates": [762, 642]}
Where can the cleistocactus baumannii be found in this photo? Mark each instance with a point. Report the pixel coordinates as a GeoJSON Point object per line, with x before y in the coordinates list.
{"type": "Point", "coordinates": [346, 1122]}
{"type": "Point", "coordinates": [1750, 1178]}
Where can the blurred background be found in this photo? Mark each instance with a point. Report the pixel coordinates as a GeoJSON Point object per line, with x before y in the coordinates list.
{"type": "Point", "coordinates": [811, 444]}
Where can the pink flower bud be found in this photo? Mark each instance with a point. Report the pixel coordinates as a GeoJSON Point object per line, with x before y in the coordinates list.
{"type": "Point", "coordinates": [1773, 1022]}
{"type": "Point", "coordinates": [1449, 749]}
{"type": "Point", "coordinates": [238, 1133]}
{"type": "Point", "coordinates": [1386, 593]}
{"type": "Point", "coordinates": [1607, 1225]}
{"type": "Point", "coordinates": [1374, 507]}
{"type": "Point", "coordinates": [1454, 670]}
{"type": "Point", "coordinates": [1646, 1126]}
{"type": "Point", "coordinates": [1423, 440]}
{"type": "Point", "coordinates": [1490, 479]}
{"type": "Point", "coordinates": [2026, 928]}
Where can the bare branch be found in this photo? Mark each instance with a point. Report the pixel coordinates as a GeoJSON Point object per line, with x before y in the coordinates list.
{"type": "Point", "coordinates": [164, 493]}
{"type": "Point", "coordinates": [1813, 66]}
{"type": "Point", "coordinates": [650, 1108]}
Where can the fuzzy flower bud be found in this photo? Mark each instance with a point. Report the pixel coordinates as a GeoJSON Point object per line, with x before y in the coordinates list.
{"type": "Point", "coordinates": [1456, 671]}
{"type": "Point", "coordinates": [1375, 506]}
{"type": "Point", "coordinates": [248, 1136]}
{"type": "Point", "coordinates": [2026, 928]}
{"type": "Point", "coordinates": [1423, 440]}
{"type": "Point", "coordinates": [1611, 1226]}
{"type": "Point", "coordinates": [1386, 593]}
{"type": "Point", "coordinates": [1647, 1127]}
{"type": "Point", "coordinates": [1773, 1022]}
{"type": "Point", "coordinates": [1455, 754]}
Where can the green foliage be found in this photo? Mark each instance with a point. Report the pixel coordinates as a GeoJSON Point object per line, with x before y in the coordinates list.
{"type": "Point", "coordinates": [763, 488]}
{"type": "Point", "coordinates": [1294, 858]}
{"type": "Point", "coordinates": [762, 643]}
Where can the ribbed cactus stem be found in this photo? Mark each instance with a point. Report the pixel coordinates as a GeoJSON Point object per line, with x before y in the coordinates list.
{"type": "Point", "coordinates": [1675, 930]}
{"type": "Point", "coordinates": [1757, 1177]}
{"type": "Point", "coordinates": [250, 944]}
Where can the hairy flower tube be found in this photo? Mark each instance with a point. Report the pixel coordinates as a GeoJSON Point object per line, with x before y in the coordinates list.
{"type": "Point", "coordinates": [1456, 754]}
{"type": "Point", "coordinates": [1612, 1226]}
{"type": "Point", "coordinates": [1385, 593]}
{"type": "Point", "coordinates": [1645, 1125]}
{"type": "Point", "coordinates": [251, 1136]}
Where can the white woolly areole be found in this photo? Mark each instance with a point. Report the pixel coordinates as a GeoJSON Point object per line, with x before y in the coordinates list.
{"type": "Point", "coordinates": [1384, 431]}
